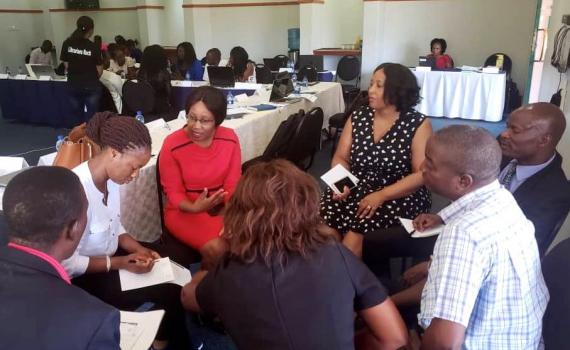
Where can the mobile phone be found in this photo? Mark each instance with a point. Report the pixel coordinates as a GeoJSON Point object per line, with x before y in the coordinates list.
{"type": "Point", "coordinates": [345, 181]}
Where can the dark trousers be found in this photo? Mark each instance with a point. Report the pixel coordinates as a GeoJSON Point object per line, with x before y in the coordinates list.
{"type": "Point", "coordinates": [85, 100]}
{"type": "Point", "coordinates": [166, 296]}
{"type": "Point", "coordinates": [395, 242]}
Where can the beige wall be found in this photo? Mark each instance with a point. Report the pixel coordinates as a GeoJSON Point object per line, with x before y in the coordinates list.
{"type": "Point", "coordinates": [400, 31]}
{"type": "Point", "coordinates": [261, 30]}
{"type": "Point", "coordinates": [548, 86]}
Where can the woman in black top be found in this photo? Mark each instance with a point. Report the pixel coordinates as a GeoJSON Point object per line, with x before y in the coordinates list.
{"type": "Point", "coordinates": [285, 283]}
{"type": "Point", "coordinates": [84, 65]}
{"type": "Point", "coordinates": [154, 70]}
{"type": "Point", "coordinates": [241, 64]}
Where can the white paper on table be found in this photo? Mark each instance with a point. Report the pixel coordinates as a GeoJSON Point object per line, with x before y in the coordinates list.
{"type": "Point", "coordinates": [238, 110]}
{"type": "Point", "coordinates": [11, 164]}
{"type": "Point", "coordinates": [157, 124]}
{"type": "Point", "coordinates": [4, 76]}
{"type": "Point", "coordinates": [21, 77]}
{"type": "Point", "coordinates": [138, 329]}
{"type": "Point", "coordinates": [161, 273]}
{"type": "Point", "coordinates": [409, 226]}
{"type": "Point", "coordinates": [44, 78]}
{"type": "Point", "coordinates": [338, 172]}
{"type": "Point", "coordinates": [490, 70]}
{"type": "Point", "coordinates": [469, 68]}
{"type": "Point", "coordinates": [247, 86]}
{"type": "Point", "coordinates": [47, 159]}
{"type": "Point", "coordinates": [285, 69]}
{"type": "Point", "coordinates": [423, 69]}
{"type": "Point", "coordinates": [182, 275]}
{"type": "Point", "coordinates": [181, 115]}
{"type": "Point", "coordinates": [241, 97]}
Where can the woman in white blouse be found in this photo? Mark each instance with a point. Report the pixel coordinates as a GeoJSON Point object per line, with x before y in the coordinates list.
{"type": "Point", "coordinates": [105, 246]}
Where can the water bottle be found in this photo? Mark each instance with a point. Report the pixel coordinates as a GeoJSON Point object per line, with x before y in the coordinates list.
{"type": "Point", "coordinates": [139, 117]}
{"type": "Point", "coordinates": [305, 81]}
{"type": "Point", "coordinates": [187, 75]}
{"type": "Point", "coordinates": [230, 99]}
{"type": "Point", "coordinates": [296, 87]}
{"type": "Point", "coordinates": [59, 142]}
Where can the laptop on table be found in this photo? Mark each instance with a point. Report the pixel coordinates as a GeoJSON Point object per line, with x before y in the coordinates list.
{"type": "Point", "coordinates": [221, 76]}
{"type": "Point", "coordinates": [281, 89]}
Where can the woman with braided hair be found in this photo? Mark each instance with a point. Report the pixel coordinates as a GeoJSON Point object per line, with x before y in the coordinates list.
{"type": "Point", "coordinates": [105, 246]}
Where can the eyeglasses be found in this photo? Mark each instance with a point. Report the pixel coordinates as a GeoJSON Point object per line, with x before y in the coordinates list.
{"type": "Point", "coordinates": [202, 121]}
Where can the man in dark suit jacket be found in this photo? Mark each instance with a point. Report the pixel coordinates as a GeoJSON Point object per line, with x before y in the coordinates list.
{"type": "Point", "coordinates": [534, 173]}
{"type": "Point", "coordinates": [46, 212]}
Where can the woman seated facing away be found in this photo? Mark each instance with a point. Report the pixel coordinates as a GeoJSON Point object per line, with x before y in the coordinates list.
{"type": "Point", "coordinates": [187, 66]}
{"type": "Point", "coordinates": [383, 145]}
{"type": "Point", "coordinates": [200, 166]}
{"type": "Point", "coordinates": [242, 66]}
{"type": "Point", "coordinates": [442, 60]}
{"type": "Point", "coordinates": [154, 71]}
{"type": "Point", "coordinates": [285, 283]}
{"type": "Point", "coordinates": [105, 246]}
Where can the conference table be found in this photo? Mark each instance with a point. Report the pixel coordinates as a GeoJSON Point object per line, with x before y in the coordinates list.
{"type": "Point", "coordinates": [139, 202]}
{"type": "Point", "coordinates": [462, 94]}
{"type": "Point", "coordinates": [46, 102]}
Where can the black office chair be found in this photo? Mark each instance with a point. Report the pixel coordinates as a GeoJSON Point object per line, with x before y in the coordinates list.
{"type": "Point", "coordinates": [308, 71]}
{"type": "Point", "coordinates": [137, 96]}
{"type": "Point", "coordinates": [180, 253]}
{"type": "Point", "coordinates": [338, 120]}
{"type": "Point", "coordinates": [307, 140]}
{"type": "Point", "coordinates": [513, 99]}
{"type": "Point", "coordinates": [282, 61]}
{"type": "Point", "coordinates": [263, 74]}
{"type": "Point", "coordinates": [348, 74]}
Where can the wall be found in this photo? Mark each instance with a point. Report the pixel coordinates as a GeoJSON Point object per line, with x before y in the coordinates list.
{"type": "Point", "coordinates": [19, 32]}
{"type": "Point", "coordinates": [549, 86]}
{"type": "Point", "coordinates": [400, 31]}
{"type": "Point", "coordinates": [261, 30]}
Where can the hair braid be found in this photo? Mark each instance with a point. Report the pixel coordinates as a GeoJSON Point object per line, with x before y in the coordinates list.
{"type": "Point", "coordinates": [122, 133]}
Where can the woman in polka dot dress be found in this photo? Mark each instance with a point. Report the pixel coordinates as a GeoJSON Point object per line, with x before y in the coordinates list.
{"type": "Point", "coordinates": [383, 145]}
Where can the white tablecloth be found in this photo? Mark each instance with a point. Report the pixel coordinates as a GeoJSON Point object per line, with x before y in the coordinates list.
{"type": "Point", "coordinates": [139, 202]}
{"type": "Point", "coordinates": [468, 95]}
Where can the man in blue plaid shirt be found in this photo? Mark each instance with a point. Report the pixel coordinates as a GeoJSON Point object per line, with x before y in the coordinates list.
{"type": "Point", "coordinates": [485, 289]}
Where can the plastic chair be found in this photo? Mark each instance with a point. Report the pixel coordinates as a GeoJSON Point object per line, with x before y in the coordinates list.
{"type": "Point", "coordinates": [308, 71]}
{"type": "Point", "coordinates": [138, 96]}
{"type": "Point", "coordinates": [348, 69]}
{"type": "Point", "coordinates": [282, 61]}
{"type": "Point", "coordinates": [307, 140]}
{"type": "Point", "coordinates": [263, 74]}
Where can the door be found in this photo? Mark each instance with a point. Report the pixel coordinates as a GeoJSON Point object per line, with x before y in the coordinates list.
{"type": "Point", "coordinates": [538, 50]}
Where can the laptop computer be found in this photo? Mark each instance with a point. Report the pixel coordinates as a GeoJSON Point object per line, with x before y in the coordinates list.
{"type": "Point", "coordinates": [37, 70]}
{"type": "Point", "coordinates": [313, 60]}
{"type": "Point", "coordinates": [272, 64]}
{"type": "Point", "coordinates": [281, 89]}
{"type": "Point", "coordinates": [221, 76]}
{"type": "Point", "coordinates": [426, 61]}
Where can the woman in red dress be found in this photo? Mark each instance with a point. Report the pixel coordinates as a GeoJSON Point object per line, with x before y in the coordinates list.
{"type": "Point", "coordinates": [442, 60]}
{"type": "Point", "coordinates": [200, 166]}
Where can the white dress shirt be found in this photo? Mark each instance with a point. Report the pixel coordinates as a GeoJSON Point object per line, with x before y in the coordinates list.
{"type": "Point", "coordinates": [485, 273]}
{"type": "Point", "coordinates": [223, 63]}
{"type": "Point", "coordinates": [114, 66]}
{"type": "Point", "coordinates": [101, 235]}
{"type": "Point", "coordinates": [114, 84]}
{"type": "Point", "coordinates": [37, 56]}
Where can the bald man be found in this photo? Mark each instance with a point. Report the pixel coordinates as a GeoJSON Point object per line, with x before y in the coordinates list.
{"type": "Point", "coordinates": [485, 289]}
{"type": "Point", "coordinates": [533, 169]}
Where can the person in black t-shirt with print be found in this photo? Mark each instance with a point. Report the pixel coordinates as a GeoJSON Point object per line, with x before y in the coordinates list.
{"type": "Point", "coordinates": [285, 282]}
{"type": "Point", "coordinates": [84, 65]}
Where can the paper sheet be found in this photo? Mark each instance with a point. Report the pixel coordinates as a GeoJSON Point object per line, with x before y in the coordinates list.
{"type": "Point", "coordinates": [409, 226]}
{"type": "Point", "coordinates": [182, 276]}
{"type": "Point", "coordinates": [161, 273]}
{"type": "Point", "coordinates": [138, 329]}
{"type": "Point", "coordinates": [337, 173]}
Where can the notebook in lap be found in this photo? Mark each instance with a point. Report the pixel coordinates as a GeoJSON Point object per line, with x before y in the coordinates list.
{"type": "Point", "coordinates": [221, 76]}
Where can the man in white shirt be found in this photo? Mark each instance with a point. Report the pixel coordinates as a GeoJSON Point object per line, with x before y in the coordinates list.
{"type": "Point", "coordinates": [485, 289]}
{"type": "Point", "coordinates": [114, 84]}
{"type": "Point", "coordinates": [42, 54]}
